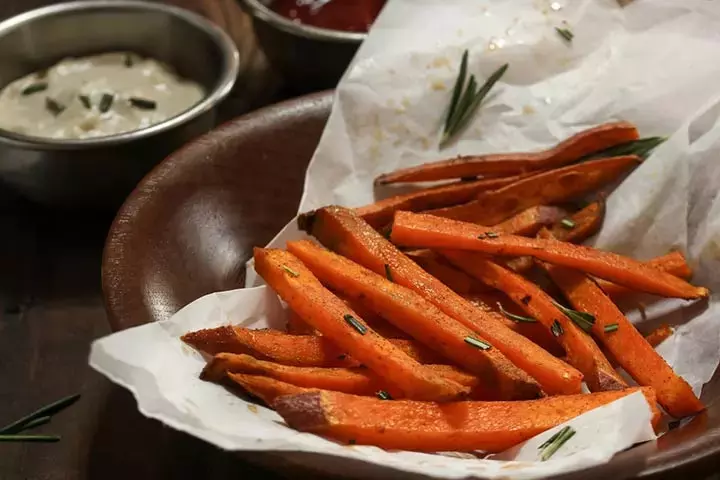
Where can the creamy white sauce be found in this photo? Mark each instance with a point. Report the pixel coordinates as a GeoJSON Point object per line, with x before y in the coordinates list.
{"type": "Point", "coordinates": [58, 108]}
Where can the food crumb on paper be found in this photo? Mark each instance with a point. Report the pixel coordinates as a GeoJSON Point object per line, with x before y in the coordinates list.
{"type": "Point", "coordinates": [252, 408]}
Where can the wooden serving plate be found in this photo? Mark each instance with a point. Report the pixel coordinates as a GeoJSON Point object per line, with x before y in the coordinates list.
{"type": "Point", "coordinates": [191, 224]}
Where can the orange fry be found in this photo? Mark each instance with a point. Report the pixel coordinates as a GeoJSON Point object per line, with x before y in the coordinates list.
{"type": "Point", "coordinates": [420, 230]}
{"type": "Point", "coordinates": [548, 187]}
{"type": "Point", "coordinates": [433, 427]}
{"type": "Point", "coordinates": [579, 145]}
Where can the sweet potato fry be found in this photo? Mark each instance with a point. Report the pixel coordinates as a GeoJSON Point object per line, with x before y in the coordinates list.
{"type": "Point", "coordinates": [298, 350]}
{"type": "Point", "coordinates": [579, 145]}
{"type": "Point", "coordinates": [374, 320]}
{"type": "Point", "coordinates": [582, 352]}
{"type": "Point", "coordinates": [458, 281]}
{"type": "Point", "coordinates": [432, 427]}
{"type": "Point", "coordinates": [325, 312]}
{"type": "Point", "coordinates": [528, 222]}
{"type": "Point", "coordinates": [356, 381]}
{"type": "Point", "coordinates": [265, 388]}
{"type": "Point", "coordinates": [420, 230]}
{"type": "Point", "coordinates": [490, 303]}
{"type": "Point", "coordinates": [419, 318]}
{"type": "Point", "coordinates": [673, 263]}
{"type": "Point", "coordinates": [344, 232]}
{"type": "Point", "coordinates": [585, 223]}
{"type": "Point", "coordinates": [626, 344]}
{"type": "Point", "coordinates": [381, 212]}
{"type": "Point", "coordinates": [549, 187]}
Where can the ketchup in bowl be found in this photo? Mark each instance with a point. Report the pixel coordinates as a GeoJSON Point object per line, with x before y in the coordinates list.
{"type": "Point", "coordinates": [346, 15]}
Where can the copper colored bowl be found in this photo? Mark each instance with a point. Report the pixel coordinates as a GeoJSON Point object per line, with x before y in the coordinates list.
{"type": "Point", "coordinates": [190, 225]}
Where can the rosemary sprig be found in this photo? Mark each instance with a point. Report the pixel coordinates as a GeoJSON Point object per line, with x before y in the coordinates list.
{"type": "Point", "coordinates": [34, 88]}
{"type": "Point", "coordinates": [477, 343]}
{"type": "Point", "coordinates": [361, 329]}
{"type": "Point", "coordinates": [466, 98]}
{"type": "Point", "coordinates": [388, 273]}
{"type": "Point", "coordinates": [642, 147]}
{"type": "Point", "coordinates": [142, 103]}
{"type": "Point", "coordinates": [583, 320]}
{"type": "Point", "coordinates": [383, 395]}
{"type": "Point", "coordinates": [512, 316]}
{"type": "Point", "coordinates": [290, 271]}
{"type": "Point", "coordinates": [611, 328]}
{"type": "Point", "coordinates": [567, 223]}
{"type": "Point", "coordinates": [549, 448]}
{"type": "Point", "coordinates": [565, 33]}
{"type": "Point", "coordinates": [106, 102]}
{"type": "Point", "coordinates": [30, 438]}
{"type": "Point", "coordinates": [45, 411]}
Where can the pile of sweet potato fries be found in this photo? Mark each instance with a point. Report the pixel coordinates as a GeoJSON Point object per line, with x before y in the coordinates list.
{"type": "Point", "coordinates": [463, 316]}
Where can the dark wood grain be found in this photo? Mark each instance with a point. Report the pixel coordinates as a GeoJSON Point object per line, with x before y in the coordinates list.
{"type": "Point", "coordinates": [51, 308]}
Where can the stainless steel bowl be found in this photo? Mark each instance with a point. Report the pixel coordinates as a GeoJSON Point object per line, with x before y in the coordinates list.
{"type": "Point", "coordinates": [100, 172]}
{"type": "Point", "coordinates": [307, 57]}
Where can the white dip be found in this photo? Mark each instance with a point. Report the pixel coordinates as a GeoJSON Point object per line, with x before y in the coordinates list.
{"type": "Point", "coordinates": [95, 96]}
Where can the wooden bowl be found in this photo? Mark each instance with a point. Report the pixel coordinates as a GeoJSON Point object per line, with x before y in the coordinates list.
{"type": "Point", "coordinates": [190, 225]}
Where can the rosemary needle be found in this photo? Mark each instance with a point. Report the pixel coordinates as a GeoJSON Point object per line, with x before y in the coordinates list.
{"type": "Point", "coordinates": [30, 438]}
{"type": "Point", "coordinates": [512, 316]}
{"type": "Point", "coordinates": [565, 33]}
{"type": "Point", "coordinates": [557, 441]}
{"type": "Point", "coordinates": [466, 98]}
{"type": "Point", "coordinates": [47, 410]}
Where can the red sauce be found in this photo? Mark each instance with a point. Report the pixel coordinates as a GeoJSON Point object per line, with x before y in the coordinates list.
{"type": "Point", "coordinates": [346, 15]}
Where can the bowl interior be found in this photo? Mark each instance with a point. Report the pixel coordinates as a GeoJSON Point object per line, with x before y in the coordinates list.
{"type": "Point", "coordinates": [189, 227]}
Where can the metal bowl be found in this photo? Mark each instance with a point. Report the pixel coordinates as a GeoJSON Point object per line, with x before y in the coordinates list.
{"type": "Point", "coordinates": [308, 58]}
{"type": "Point", "coordinates": [100, 172]}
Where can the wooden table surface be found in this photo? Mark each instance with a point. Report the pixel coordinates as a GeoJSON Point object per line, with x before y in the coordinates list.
{"type": "Point", "coordinates": [51, 309]}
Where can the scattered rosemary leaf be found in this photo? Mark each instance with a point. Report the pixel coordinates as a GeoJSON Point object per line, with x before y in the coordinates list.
{"type": "Point", "coordinates": [466, 98]}
{"type": "Point", "coordinates": [477, 343]}
{"type": "Point", "coordinates": [34, 423]}
{"type": "Point", "coordinates": [85, 100]}
{"type": "Point", "coordinates": [143, 103]}
{"type": "Point", "coordinates": [53, 106]}
{"type": "Point", "coordinates": [556, 329]}
{"type": "Point", "coordinates": [549, 440]}
{"type": "Point", "coordinates": [611, 328]}
{"type": "Point", "coordinates": [565, 33]}
{"type": "Point", "coordinates": [34, 88]}
{"type": "Point", "coordinates": [47, 410]}
{"type": "Point", "coordinates": [290, 271]}
{"type": "Point", "coordinates": [106, 102]}
{"type": "Point", "coordinates": [549, 450]}
{"type": "Point", "coordinates": [492, 234]}
{"type": "Point", "coordinates": [361, 329]}
{"type": "Point", "coordinates": [30, 438]}
{"type": "Point", "coordinates": [383, 395]}
{"type": "Point", "coordinates": [567, 223]}
{"type": "Point", "coordinates": [512, 316]}
{"type": "Point", "coordinates": [388, 273]}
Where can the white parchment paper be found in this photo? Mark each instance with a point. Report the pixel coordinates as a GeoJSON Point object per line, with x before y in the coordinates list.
{"type": "Point", "coordinates": [655, 63]}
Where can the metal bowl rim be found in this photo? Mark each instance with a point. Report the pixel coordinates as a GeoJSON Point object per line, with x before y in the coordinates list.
{"type": "Point", "coordinates": [225, 83]}
{"type": "Point", "coordinates": [262, 12]}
